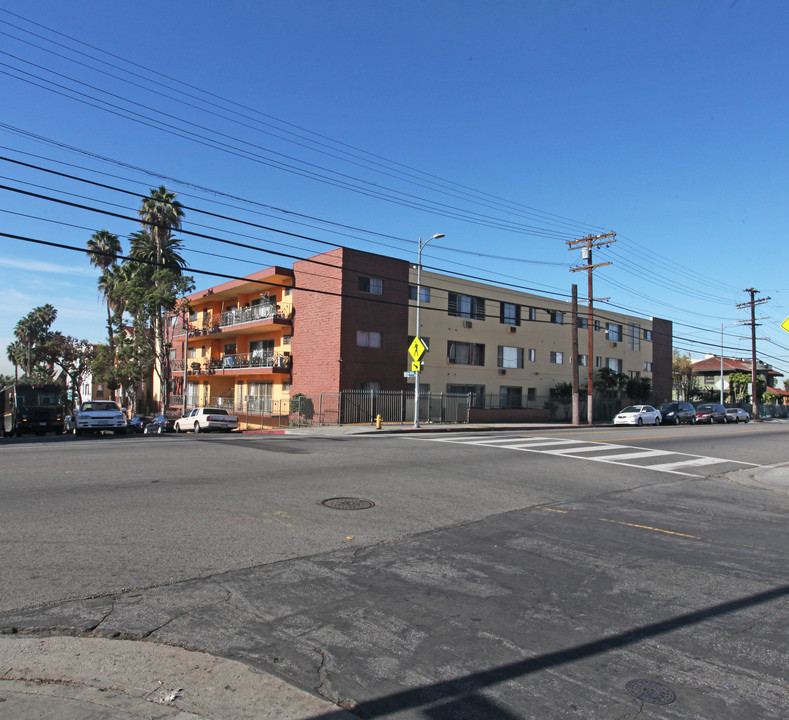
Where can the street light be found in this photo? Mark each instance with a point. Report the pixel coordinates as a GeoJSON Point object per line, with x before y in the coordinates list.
{"type": "Point", "coordinates": [419, 317]}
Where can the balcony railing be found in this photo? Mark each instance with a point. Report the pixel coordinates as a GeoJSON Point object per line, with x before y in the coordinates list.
{"type": "Point", "coordinates": [237, 361]}
{"type": "Point", "coordinates": [230, 318]}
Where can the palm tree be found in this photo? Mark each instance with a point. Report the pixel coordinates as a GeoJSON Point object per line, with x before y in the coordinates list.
{"type": "Point", "coordinates": [161, 215]}
{"type": "Point", "coordinates": [25, 333]}
{"type": "Point", "coordinates": [168, 254]}
{"type": "Point", "coordinates": [103, 250]}
{"type": "Point", "coordinates": [15, 352]}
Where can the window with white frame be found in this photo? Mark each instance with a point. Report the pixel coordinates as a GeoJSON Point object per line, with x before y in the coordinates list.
{"type": "Point", "coordinates": [368, 338]}
{"type": "Point", "coordinates": [424, 293]}
{"type": "Point", "coordinates": [374, 286]}
{"type": "Point", "coordinates": [613, 332]}
{"type": "Point", "coordinates": [462, 353]}
{"type": "Point", "coordinates": [510, 357]}
{"type": "Point", "coordinates": [647, 366]}
{"type": "Point", "coordinates": [510, 314]}
{"type": "Point", "coordinates": [466, 306]}
{"type": "Point", "coordinates": [614, 364]}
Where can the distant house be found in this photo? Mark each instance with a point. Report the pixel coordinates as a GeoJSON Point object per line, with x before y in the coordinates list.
{"type": "Point", "coordinates": [709, 370]}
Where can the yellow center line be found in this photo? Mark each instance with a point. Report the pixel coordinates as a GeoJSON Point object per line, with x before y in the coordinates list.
{"type": "Point", "coordinates": [666, 532]}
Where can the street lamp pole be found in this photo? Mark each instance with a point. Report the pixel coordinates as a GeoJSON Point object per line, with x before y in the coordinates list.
{"type": "Point", "coordinates": [419, 317]}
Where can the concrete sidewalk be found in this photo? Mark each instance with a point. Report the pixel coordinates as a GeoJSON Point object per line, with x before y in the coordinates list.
{"type": "Point", "coordinates": [71, 678]}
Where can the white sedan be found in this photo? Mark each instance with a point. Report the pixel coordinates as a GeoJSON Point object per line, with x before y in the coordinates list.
{"type": "Point", "coordinates": [638, 415]}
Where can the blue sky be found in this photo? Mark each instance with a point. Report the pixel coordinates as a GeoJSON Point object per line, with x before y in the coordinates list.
{"type": "Point", "coordinates": [511, 127]}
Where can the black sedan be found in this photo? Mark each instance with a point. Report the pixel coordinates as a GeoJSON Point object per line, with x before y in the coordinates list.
{"type": "Point", "coordinates": [137, 424]}
{"type": "Point", "coordinates": [159, 426]}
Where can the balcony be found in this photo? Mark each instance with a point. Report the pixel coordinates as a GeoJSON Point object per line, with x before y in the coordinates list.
{"type": "Point", "coordinates": [236, 319]}
{"type": "Point", "coordinates": [245, 363]}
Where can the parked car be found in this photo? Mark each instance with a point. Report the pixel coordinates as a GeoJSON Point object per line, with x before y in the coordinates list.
{"type": "Point", "coordinates": [138, 423]}
{"type": "Point", "coordinates": [98, 415]}
{"type": "Point", "coordinates": [160, 425]}
{"type": "Point", "coordinates": [675, 413]}
{"type": "Point", "coordinates": [206, 419]}
{"type": "Point", "coordinates": [638, 415]}
{"type": "Point", "coordinates": [736, 415]}
{"type": "Point", "coordinates": [711, 413]}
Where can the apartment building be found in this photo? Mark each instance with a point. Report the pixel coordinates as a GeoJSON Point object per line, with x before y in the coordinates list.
{"type": "Point", "coordinates": [237, 344]}
{"type": "Point", "coordinates": [343, 320]}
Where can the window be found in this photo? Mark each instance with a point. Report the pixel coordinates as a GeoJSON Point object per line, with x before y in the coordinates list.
{"type": "Point", "coordinates": [424, 293]}
{"type": "Point", "coordinates": [99, 390]}
{"type": "Point", "coordinates": [633, 336]}
{"type": "Point", "coordinates": [647, 367]}
{"type": "Point", "coordinates": [286, 386]}
{"type": "Point", "coordinates": [191, 352]}
{"type": "Point", "coordinates": [466, 306]}
{"type": "Point", "coordinates": [531, 313]}
{"type": "Point", "coordinates": [477, 393]}
{"type": "Point", "coordinates": [583, 360]}
{"type": "Point", "coordinates": [532, 355]}
{"type": "Point", "coordinates": [288, 291]}
{"type": "Point", "coordinates": [613, 332]}
{"type": "Point", "coordinates": [614, 364]}
{"type": "Point", "coordinates": [647, 334]}
{"type": "Point", "coordinates": [709, 379]}
{"type": "Point", "coordinates": [374, 286]}
{"type": "Point", "coordinates": [371, 386]}
{"type": "Point", "coordinates": [510, 357]}
{"type": "Point", "coordinates": [462, 353]}
{"type": "Point", "coordinates": [596, 324]}
{"type": "Point", "coordinates": [557, 358]}
{"type": "Point", "coordinates": [531, 394]}
{"type": "Point", "coordinates": [557, 318]}
{"type": "Point", "coordinates": [510, 397]}
{"type": "Point", "coordinates": [368, 338]}
{"type": "Point", "coordinates": [286, 339]}
{"type": "Point", "coordinates": [598, 361]}
{"type": "Point", "coordinates": [510, 314]}
{"type": "Point", "coordinates": [583, 322]}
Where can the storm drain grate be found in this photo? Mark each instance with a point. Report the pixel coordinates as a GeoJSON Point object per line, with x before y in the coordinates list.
{"type": "Point", "coordinates": [348, 503]}
{"type": "Point", "coordinates": [651, 691]}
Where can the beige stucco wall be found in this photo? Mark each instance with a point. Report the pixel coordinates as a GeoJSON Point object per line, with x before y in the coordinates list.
{"type": "Point", "coordinates": [539, 335]}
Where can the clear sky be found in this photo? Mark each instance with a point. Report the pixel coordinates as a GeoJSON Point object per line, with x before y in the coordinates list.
{"type": "Point", "coordinates": [510, 126]}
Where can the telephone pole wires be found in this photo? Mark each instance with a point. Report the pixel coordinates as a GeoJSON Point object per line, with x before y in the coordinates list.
{"type": "Point", "coordinates": [587, 244]}
{"type": "Point", "coordinates": [752, 303]}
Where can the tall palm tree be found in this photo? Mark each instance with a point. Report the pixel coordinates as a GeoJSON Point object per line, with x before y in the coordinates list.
{"type": "Point", "coordinates": [161, 215]}
{"type": "Point", "coordinates": [103, 250]}
{"type": "Point", "coordinates": [143, 247]}
{"type": "Point", "coordinates": [25, 333]}
{"type": "Point", "coordinates": [15, 352]}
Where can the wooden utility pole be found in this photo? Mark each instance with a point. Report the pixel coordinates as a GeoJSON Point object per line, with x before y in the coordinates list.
{"type": "Point", "coordinates": [752, 303]}
{"type": "Point", "coordinates": [587, 243]}
{"type": "Point", "coordinates": [574, 359]}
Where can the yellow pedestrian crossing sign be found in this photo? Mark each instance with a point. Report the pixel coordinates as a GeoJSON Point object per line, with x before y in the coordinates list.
{"type": "Point", "coordinates": [785, 324]}
{"type": "Point", "coordinates": [416, 349]}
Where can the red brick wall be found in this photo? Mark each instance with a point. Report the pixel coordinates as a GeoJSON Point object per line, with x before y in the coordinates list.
{"type": "Point", "coordinates": [317, 318]}
{"type": "Point", "coordinates": [326, 357]}
{"type": "Point", "coordinates": [662, 343]}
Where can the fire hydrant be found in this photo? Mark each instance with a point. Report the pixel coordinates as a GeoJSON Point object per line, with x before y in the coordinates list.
{"type": "Point", "coordinates": [378, 421]}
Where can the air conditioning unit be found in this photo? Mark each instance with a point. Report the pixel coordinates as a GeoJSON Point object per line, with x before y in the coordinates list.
{"type": "Point", "coordinates": [512, 329]}
{"type": "Point", "coordinates": [502, 371]}
{"type": "Point", "coordinates": [467, 323]}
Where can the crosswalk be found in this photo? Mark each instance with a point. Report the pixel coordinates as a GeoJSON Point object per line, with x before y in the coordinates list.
{"type": "Point", "coordinates": [602, 452]}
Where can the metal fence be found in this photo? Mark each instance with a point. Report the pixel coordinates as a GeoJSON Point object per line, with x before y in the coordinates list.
{"type": "Point", "coordinates": [348, 407]}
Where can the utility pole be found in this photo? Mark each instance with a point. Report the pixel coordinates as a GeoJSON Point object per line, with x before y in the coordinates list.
{"type": "Point", "coordinates": [574, 359]}
{"type": "Point", "coordinates": [587, 243]}
{"type": "Point", "coordinates": [752, 303]}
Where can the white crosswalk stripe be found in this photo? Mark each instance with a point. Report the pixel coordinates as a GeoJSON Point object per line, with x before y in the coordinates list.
{"type": "Point", "coordinates": [612, 453]}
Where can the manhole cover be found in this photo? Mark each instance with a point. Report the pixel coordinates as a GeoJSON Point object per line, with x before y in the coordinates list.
{"type": "Point", "coordinates": [651, 691]}
{"type": "Point", "coordinates": [347, 503]}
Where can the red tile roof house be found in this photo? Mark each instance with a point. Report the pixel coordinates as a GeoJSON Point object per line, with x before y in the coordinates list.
{"type": "Point", "coordinates": [709, 369]}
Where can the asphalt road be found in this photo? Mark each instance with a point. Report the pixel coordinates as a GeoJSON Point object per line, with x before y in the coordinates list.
{"type": "Point", "coordinates": [498, 575]}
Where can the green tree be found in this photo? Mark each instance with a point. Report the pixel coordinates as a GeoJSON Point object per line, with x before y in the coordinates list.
{"type": "Point", "coordinates": [684, 380]}
{"type": "Point", "coordinates": [15, 352]}
{"type": "Point", "coordinates": [103, 250]}
{"type": "Point", "coordinates": [33, 334]}
{"type": "Point", "coordinates": [639, 390]}
{"type": "Point", "coordinates": [75, 358]}
{"type": "Point", "coordinates": [563, 392]}
{"type": "Point", "coordinates": [161, 215]}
